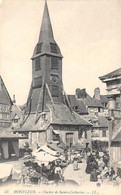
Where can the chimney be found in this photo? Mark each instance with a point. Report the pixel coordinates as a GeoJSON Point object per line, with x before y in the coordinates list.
{"type": "Point", "coordinates": [97, 93]}
{"type": "Point", "coordinates": [81, 93]}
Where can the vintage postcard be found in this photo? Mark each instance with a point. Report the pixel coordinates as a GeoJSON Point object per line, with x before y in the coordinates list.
{"type": "Point", "coordinates": [60, 97]}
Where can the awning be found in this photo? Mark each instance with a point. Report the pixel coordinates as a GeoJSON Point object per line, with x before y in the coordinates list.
{"type": "Point", "coordinates": [45, 158]}
{"type": "Point", "coordinates": [55, 147]}
{"type": "Point", "coordinates": [45, 149]}
{"type": "Point", "coordinates": [56, 132]}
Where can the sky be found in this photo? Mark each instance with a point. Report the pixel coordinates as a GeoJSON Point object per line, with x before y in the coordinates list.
{"type": "Point", "coordinates": [88, 33]}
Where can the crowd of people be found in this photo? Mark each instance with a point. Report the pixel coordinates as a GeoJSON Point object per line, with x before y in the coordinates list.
{"type": "Point", "coordinates": [32, 172]}
{"type": "Point", "coordinates": [98, 167]}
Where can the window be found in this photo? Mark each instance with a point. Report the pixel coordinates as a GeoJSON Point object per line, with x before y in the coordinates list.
{"type": "Point", "coordinates": [53, 47]}
{"type": "Point", "coordinates": [54, 63]}
{"type": "Point", "coordinates": [38, 81]}
{"type": "Point", "coordinates": [37, 63]}
{"type": "Point", "coordinates": [39, 48]}
{"type": "Point", "coordinates": [55, 91]}
{"type": "Point", "coordinates": [104, 133]}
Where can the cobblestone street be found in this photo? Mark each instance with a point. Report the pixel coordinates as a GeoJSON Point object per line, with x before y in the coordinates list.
{"type": "Point", "coordinates": [79, 176]}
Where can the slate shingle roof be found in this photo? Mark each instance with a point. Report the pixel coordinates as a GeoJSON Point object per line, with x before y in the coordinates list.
{"type": "Point", "coordinates": [59, 114]}
{"type": "Point", "coordinates": [4, 95]}
{"type": "Point", "coordinates": [100, 121]}
{"type": "Point", "coordinates": [79, 103]}
{"type": "Point", "coordinates": [103, 99]}
{"type": "Point", "coordinates": [63, 115]}
{"type": "Point", "coordinates": [112, 74]}
{"type": "Point", "coordinates": [92, 102]}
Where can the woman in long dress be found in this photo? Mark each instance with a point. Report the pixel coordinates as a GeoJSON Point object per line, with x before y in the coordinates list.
{"type": "Point", "coordinates": [75, 163]}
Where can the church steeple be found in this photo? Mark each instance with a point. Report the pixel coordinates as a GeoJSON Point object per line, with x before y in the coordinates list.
{"type": "Point", "coordinates": [46, 32]}
{"type": "Point", "coordinates": [46, 69]}
{"type": "Point", "coordinates": [46, 43]}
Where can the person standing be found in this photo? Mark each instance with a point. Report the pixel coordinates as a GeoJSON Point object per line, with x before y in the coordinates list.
{"type": "Point", "coordinates": [75, 163]}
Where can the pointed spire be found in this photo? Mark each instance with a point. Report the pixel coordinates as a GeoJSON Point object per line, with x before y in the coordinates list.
{"type": "Point", "coordinates": [46, 32]}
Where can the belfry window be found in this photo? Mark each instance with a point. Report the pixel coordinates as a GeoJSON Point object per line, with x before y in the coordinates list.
{"type": "Point", "coordinates": [39, 48]}
{"type": "Point", "coordinates": [53, 47]}
{"type": "Point", "coordinates": [55, 91]}
{"type": "Point", "coordinates": [37, 63]}
{"type": "Point", "coordinates": [54, 63]}
{"type": "Point", "coordinates": [38, 81]}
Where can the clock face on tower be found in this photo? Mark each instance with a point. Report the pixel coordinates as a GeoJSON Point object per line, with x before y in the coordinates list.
{"type": "Point", "coordinates": [54, 78]}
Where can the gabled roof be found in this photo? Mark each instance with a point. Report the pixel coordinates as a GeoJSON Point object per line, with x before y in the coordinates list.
{"type": "Point", "coordinates": [7, 133]}
{"type": "Point", "coordinates": [79, 103]}
{"type": "Point", "coordinates": [92, 102]}
{"type": "Point", "coordinates": [100, 121]}
{"type": "Point", "coordinates": [15, 111]}
{"type": "Point", "coordinates": [30, 125]}
{"type": "Point", "coordinates": [88, 100]}
{"type": "Point", "coordinates": [61, 114]}
{"type": "Point", "coordinates": [4, 95]}
{"type": "Point", "coordinates": [112, 74]}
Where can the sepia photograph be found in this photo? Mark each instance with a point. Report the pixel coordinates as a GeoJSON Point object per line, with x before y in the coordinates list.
{"type": "Point", "coordinates": [60, 97]}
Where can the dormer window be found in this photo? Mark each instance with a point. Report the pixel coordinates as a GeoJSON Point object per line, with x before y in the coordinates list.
{"type": "Point", "coordinates": [39, 48]}
{"type": "Point", "coordinates": [53, 47]}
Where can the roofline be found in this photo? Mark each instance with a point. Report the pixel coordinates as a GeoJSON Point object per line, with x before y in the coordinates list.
{"type": "Point", "coordinates": [106, 75]}
{"type": "Point", "coordinates": [6, 90]}
{"type": "Point", "coordinates": [71, 124]}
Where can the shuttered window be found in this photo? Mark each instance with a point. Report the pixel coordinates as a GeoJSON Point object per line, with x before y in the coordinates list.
{"type": "Point", "coordinates": [53, 47]}
{"type": "Point", "coordinates": [54, 63]}
{"type": "Point", "coordinates": [38, 81]}
{"type": "Point", "coordinates": [37, 63]}
{"type": "Point", "coordinates": [55, 91]}
{"type": "Point", "coordinates": [39, 48]}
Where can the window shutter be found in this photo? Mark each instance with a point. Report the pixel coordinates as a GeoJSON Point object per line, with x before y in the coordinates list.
{"type": "Point", "coordinates": [53, 47]}
{"type": "Point", "coordinates": [39, 48]}
{"type": "Point", "coordinates": [37, 63]}
{"type": "Point", "coordinates": [38, 81]}
{"type": "Point", "coordinates": [55, 91]}
{"type": "Point", "coordinates": [54, 63]}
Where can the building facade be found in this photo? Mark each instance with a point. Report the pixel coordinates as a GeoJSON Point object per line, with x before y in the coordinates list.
{"type": "Point", "coordinates": [8, 141]}
{"type": "Point", "coordinates": [113, 87]}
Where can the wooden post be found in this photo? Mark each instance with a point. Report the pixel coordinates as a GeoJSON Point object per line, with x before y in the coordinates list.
{"type": "Point", "coordinates": [110, 137]}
